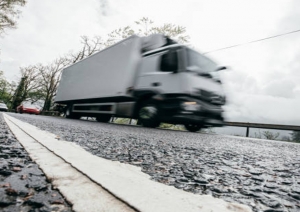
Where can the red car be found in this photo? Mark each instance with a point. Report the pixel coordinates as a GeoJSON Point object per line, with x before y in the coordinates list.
{"type": "Point", "coordinates": [28, 108]}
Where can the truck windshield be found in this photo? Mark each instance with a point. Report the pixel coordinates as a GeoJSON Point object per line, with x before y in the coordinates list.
{"type": "Point", "coordinates": [202, 63]}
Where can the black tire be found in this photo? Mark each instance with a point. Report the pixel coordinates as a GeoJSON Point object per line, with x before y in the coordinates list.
{"type": "Point", "coordinates": [149, 114]}
{"type": "Point", "coordinates": [103, 118]}
{"type": "Point", "coordinates": [138, 122]}
{"type": "Point", "coordinates": [70, 115]}
{"type": "Point", "coordinates": [193, 127]}
{"type": "Point", "coordinates": [68, 112]}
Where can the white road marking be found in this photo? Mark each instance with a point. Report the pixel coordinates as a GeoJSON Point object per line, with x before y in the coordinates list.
{"type": "Point", "coordinates": [126, 182]}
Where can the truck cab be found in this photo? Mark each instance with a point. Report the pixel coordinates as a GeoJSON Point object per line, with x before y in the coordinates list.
{"type": "Point", "coordinates": [184, 88]}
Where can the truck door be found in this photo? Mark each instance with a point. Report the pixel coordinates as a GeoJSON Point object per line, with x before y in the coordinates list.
{"type": "Point", "coordinates": [160, 72]}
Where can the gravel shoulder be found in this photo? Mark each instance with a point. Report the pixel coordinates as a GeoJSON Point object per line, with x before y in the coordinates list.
{"type": "Point", "coordinates": [264, 175]}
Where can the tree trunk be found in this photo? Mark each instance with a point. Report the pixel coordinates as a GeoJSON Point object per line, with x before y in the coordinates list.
{"type": "Point", "coordinates": [47, 104]}
{"type": "Point", "coordinates": [18, 97]}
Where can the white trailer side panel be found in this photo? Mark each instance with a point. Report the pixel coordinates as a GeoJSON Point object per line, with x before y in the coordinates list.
{"type": "Point", "coordinates": [105, 74]}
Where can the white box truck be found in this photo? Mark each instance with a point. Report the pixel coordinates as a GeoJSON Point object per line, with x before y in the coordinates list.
{"type": "Point", "coordinates": [152, 79]}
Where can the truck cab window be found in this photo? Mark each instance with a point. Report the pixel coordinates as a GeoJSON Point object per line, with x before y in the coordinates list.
{"type": "Point", "coordinates": [203, 63]}
{"type": "Point", "coordinates": [169, 62]}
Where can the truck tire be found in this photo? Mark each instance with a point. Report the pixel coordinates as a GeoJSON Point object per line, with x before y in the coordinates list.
{"type": "Point", "coordinates": [193, 127]}
{"type": "Point", "coordinates": [149, 114]}
{"type": "Point", "coordinates": [70, 115]}
{"type": "Point", "coordinates": [68, 112]}
{"type": "Point", "coordinates": [103, 118]}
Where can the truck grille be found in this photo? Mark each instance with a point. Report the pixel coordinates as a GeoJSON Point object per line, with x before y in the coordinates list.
{"type": "Point", "coordinates": [211, 97]}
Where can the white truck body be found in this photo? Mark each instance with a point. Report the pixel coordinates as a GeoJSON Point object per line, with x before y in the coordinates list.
{"type": "Point", "coordinates": [102, 74]}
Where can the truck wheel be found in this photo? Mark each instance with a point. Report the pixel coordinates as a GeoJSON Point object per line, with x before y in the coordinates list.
{"type": "Point", "coordinates": [193, 127]}
{"type": "Point", "coordinates": [103, 118]}
{"type": "Point", "coordinates": [68, 112]}
{"type": "Point", "coordinates": [70, 115]}
{"type": "Point", "coordinates": [149, 115]}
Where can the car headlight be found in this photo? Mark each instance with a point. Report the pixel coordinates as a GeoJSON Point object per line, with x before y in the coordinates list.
{"type": "Point", "coordinates": [190, 106]}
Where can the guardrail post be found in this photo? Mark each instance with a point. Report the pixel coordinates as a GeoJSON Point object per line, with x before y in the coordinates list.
{"type": "Point", "coordinates": [247, 132]}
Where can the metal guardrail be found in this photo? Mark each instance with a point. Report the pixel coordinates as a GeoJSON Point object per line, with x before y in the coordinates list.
{"type": "Point", "coordinates": [263, 126]}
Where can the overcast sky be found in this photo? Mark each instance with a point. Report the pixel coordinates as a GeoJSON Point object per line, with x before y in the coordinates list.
{"type": "Point", "coordinates": [263, 84]}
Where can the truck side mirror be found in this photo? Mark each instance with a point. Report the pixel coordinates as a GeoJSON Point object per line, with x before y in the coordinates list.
{"type": "Point", "coordinates": [221, 68]}
{"type": "Point", "coordinates": [169, 62]}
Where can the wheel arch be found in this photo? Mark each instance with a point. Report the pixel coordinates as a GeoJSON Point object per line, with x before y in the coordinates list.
{"type": "Point", "coordinates": [142, 96]}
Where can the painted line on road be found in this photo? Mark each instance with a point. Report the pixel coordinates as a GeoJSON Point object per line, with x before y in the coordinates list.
{"type": "Point", "coordinates": [125, 182]}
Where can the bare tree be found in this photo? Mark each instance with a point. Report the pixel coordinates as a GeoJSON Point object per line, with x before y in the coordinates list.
{"type": "Point", "coordinates": [32, 80]}
{"type": "Point", "coordinates": [89, 47]}
{"type": "Point", "coordinates": [50, 76]}
{"type": "Point", "coordinates": [11, 89]}
{"type": "Point", "coordinates": [270, 135]}
{"type": "Point", "coordinates": [5, 89]}
{"type": "Point", "coordinates": [145, 27]}
{"type": "Point", "coordinates": [3, 84]}
{"type": "Point", "coordinates": [118, 34]}
{"type": "Point", "coordinates": [9, 13]}
{"type": "Point", "coordinates": [17, 97]}
{"type": "Point", "coordinates": [29, 83]}
{"type": "Point", "coordinates": [172, 31]}
{"type": "Point", "coordinates": [267, 135]}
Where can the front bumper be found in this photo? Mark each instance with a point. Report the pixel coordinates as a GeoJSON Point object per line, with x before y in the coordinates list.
{"type": "Point", "coordinates": [200, 120]}
{"type": "Point", "coordinates": [206, 115]}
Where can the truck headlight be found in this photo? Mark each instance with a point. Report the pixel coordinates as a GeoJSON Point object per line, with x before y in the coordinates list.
{"type": "Point", "coordinates": [190, 106]}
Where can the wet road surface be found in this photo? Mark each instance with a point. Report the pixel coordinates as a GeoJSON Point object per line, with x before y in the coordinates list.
{"type": "Point", "coordinates": [262, 174]}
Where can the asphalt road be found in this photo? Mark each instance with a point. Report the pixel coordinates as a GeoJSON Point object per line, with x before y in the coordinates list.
{"type": "Point", "coordinates": [262, 174]}
{"type": "Point", "coordinates": [23, 186]}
